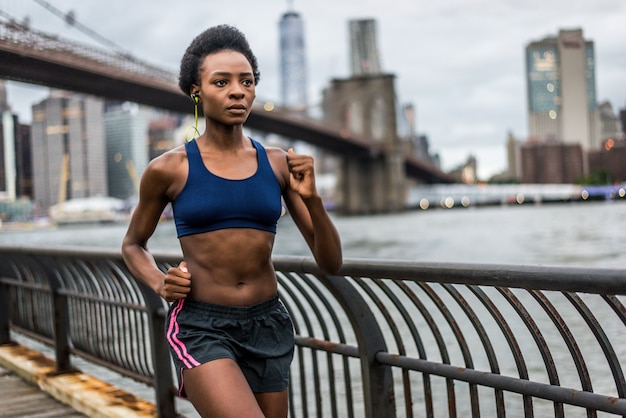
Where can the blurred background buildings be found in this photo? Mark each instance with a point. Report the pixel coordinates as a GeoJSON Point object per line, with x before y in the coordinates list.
{"type": "Point", "coordinates": [571, 137]}
{"type": "Point", "coordinates": [80, 146]}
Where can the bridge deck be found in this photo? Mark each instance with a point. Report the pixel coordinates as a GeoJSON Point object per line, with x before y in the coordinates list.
{"type": "Point", "coordinates": [21, 399]}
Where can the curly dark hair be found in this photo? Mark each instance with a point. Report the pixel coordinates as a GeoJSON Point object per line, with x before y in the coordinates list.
{"type": "Point", "coordinates": [215, 39]}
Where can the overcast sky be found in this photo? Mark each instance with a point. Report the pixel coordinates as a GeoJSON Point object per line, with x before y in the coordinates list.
{"type": "Point", "coordinates": [459, 62]}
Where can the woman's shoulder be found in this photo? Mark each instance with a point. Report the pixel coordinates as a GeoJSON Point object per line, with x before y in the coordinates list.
{"type": "Point", "coordinates": [276, 154]}
{"type": "Point", "coordinates": [275, 151]}
{"type": "Point", "coordinates": [168, 162]}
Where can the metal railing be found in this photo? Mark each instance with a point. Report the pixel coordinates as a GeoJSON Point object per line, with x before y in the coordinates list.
{"type": "Point", "coordinates": [384, 339]}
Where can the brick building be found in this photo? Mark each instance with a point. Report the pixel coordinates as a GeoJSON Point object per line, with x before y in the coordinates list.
{"type": "Point", "coordinates": [552, 163]}
{"type": "Point", "coordinates": [610, 160]}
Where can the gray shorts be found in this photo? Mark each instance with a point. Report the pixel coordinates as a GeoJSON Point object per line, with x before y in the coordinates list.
{"type": "Point", "coordinates": [259, 338]}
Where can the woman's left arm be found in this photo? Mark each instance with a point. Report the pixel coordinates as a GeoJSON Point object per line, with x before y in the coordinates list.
{"type": "Point", "coordinates": [308, 212]}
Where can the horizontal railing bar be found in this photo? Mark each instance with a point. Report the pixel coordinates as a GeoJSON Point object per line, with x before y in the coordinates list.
{"type": "Point", "coordinates": [33, 335]}
{"type": "Point", "coordinates": [558, 278]}
{"type": "Point", "coordinates": [24, 285]}
{"type": "Point", "coordinates": [74, 294]}
{"type": "Point", "coordinates": [524, 387]}
{"type": "Point", "coordinates": [100, 299]}
{"type": "Point", "coordinates": [112, 366]}
{"type": "Point", "coordinates": [68, 251]}
{"type": "Point", "coordinates": [328, 346]}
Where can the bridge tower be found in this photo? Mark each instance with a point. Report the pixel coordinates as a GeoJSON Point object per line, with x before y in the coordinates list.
{"type": "Point", "coordinates": [364, 106]}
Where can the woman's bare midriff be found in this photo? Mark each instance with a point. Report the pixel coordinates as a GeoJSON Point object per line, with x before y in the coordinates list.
{"type": "Point", "coordinates": [230, 266]}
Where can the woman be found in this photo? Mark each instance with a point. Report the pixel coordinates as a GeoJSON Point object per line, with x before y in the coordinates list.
{"type": "Point", "coordinates": [231, 339]}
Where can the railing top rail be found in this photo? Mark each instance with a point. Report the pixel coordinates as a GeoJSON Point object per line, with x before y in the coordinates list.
{"type": "Point", "coordinates": [558, 278]}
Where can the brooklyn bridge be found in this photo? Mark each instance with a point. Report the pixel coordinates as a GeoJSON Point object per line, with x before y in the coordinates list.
{"type": "Point", "coordinates": [373, 174]}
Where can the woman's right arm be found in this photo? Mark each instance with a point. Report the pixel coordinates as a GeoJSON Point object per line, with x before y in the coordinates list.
{"type": "Point", "coordinates": [153, 197]}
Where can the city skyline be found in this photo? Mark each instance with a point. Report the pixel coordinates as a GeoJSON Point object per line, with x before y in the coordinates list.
{"type": "Point", "coordinates": [461, 64]}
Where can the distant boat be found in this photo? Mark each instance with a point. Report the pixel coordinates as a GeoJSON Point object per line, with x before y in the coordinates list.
{"type": "Point", "coordinates": [90, 210]}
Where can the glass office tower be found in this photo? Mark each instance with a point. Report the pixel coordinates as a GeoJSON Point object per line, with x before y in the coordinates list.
{"type": "Point", "coordinates": [293, 62]}
{"type": "Point", "coordinates": [561, 90]}
{"type": "Point", "coordinates": [364, 56]}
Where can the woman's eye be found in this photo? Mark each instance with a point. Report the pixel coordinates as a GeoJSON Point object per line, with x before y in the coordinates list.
{"type": "Point", "coordinates": [220, 83]}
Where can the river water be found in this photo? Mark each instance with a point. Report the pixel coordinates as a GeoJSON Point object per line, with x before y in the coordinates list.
{"type": "Point", "coordinates": [587, 234]}
{"type": "Point", "coordinates": [584, 234]}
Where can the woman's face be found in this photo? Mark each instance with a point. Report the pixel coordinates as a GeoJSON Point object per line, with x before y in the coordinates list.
{"type": "Point", "coordinates": [226, 88]}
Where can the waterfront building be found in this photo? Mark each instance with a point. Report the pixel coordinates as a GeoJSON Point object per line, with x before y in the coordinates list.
{"type": "Point", "coordinates": [293, 80]}
{"type": "Point", "coordinates": [163, 135]}
{"type": "Point", "coordinates": [467, 172]}
{"type": "Point", "coordinates": [609, 122]}
{"type": "Point", "coordinates": [552, 163]}
{"type": "Point", "coordinates": [23, 160]}
{"type": "Point", "coordinates": [513, 156]}
{"type": "Point", "coordinates": [16, 176]}
{"type": "Point", "coordinates": [562, 105]}
{"type": "Point", "coordinates": [364, 56]}
{"type": "Point", "coordinates": [68, 148]}
{"type": "Point", "coordinates": [421, 147]}
{"type": "Point", "coordinates": [608, 162]}
{"type": "Point", "coordinates": [126, 128]}
{"type": "Point", "coordinates": [15, 165]}
{"type": "Point", "coordinates": [293, 74]}
{"type": "Point", "coordinates": [8, 174]}
{"type": "Point", "coordinates": [565, 122]}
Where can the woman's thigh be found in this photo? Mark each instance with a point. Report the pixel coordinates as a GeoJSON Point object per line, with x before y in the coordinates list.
{"type": "Point", "coordinates": [219, 388]}
{"type": "Point", "coordinates": [274, 404]}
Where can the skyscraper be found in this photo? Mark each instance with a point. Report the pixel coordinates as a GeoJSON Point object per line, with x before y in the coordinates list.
{"type": "Point", "coordinates": [15, 162]}
{"type": "Point", "coordinates": [126, 128]}
{"type": "Point", "coordinates": [561, 90]}
{"type": "Point", "coordinates": [364, 57]}
{"type": "Point", "coordinates": [293, 62]}
{"type": "Point", "coordinates": [68, 148]}
{"type": "Point", "coordinates": [7, 146]}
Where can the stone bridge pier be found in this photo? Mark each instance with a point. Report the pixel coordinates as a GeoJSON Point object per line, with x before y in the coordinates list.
{"type": "Point", "coordinates": [364, 106]}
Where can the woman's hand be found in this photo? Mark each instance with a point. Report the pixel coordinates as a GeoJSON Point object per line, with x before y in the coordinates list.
{"type": "Point", "coordinates": [176, 284]}
{"type": "Point", "coordinates": [301, 174]}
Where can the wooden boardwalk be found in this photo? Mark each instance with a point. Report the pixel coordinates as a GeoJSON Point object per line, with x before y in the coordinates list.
{"type": "Point", "coordinates": [21, 399]}
{"type": "Point", "coordinates": [32, 388]}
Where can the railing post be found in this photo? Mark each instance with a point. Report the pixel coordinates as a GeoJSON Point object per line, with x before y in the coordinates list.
{"type": "Point", "coordinates": [61, 321]}
{"type": "Point", "coordinates": [378, 392]}
{"type": "Point", "coordinates": [5, 332]}
{"type": "Point", "coordinates": [5, 312]}
{"type": "Point", "coordinates": [161, 360]}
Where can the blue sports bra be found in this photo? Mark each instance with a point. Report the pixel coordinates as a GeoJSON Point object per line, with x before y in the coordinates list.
{"type": "Point", "coordinates": [208, 202]}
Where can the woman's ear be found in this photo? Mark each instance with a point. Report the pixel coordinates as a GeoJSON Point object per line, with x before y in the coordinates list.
{"type": "Point", "coordinates": [194, 93]}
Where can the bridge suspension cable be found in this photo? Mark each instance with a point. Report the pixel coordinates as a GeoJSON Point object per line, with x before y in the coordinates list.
{"type": "Point", "coordinates": [70, 19]}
